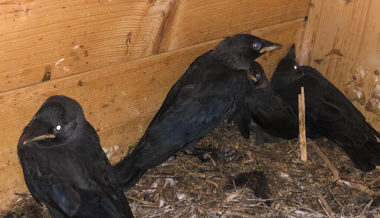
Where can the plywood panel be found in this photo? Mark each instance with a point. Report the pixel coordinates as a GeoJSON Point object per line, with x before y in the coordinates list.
{"type": "Point", "coordinates": [342, 41]}
{"type": "Point", "coordinates": [43, 40]}
{"type": "Point", "coordinates": [118, 100]}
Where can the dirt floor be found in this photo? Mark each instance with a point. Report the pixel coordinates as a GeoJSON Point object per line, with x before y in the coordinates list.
{"type": "Point", "coordinates": [239, 179]}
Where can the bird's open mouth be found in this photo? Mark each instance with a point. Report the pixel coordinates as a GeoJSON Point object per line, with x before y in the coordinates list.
{"type": "Point", "coordinates": [270, 48]}
{"type": "Point", "coordinates": [39, 138]}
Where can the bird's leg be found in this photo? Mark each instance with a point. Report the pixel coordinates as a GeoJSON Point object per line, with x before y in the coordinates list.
{"type": "Point", "coordinates": [262, 137]}
{"type": "Point", "coordinates": [201, 153]}
{"type": "Point", "coordinates": [189, 148]}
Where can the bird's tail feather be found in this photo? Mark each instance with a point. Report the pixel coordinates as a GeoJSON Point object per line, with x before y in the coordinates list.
{"type": "Point", "coordinates": [374, 132]}
{"type": "Point", "coordinates": [127, 173]}
{"type": "Point", "coordinates": [365, 157]}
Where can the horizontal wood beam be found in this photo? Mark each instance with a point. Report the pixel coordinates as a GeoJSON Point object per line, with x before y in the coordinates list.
{"type": "Point", "coordinates": [45, 40]}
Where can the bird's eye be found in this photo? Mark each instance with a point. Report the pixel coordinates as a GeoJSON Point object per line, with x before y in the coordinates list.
{"type": "Point", "coordinates": [258, 76]}
{"type": "Point", "coordinates": [295, 67]}
{"type": "Point", "coordinates": [256, 45]}
{"type": "Point", "coordinates": [57, 129]}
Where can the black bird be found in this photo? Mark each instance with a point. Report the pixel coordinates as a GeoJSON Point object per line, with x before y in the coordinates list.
{"type": "Point", "coordinates": [202, 98]}
{"type": "Point", "coordinates": [265, 107]}
{"type": "Point", "coordinates": [328, 112]}
{"type": "Point", "coordinates": [64, 165]}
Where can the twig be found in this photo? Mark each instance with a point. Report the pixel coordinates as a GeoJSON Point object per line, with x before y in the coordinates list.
{"type": "Point", "coordinates": [366, 208]}
{"type": "Point", "coordinates": [359, 187]}
{"type": "Point", "coordinates": [336, 200]}
{"type": "Point", "coordinates": [170, 189]}
{"type": "Point", "coordinates": [325, 206]}
{"type": "Point", "coordinates": [229, 213]}
{"type": "Point", "coordinates": [25, 195]}
{"type": "Point", "coordinates": [333, 169]}
{"type": "Point", "coordinates": [336, 177]}
{"type": "Point", "coordinates": [371, 183]}
{"type": "Point", "coordinates": [141, 201]}
{"type": "Point", "coordinates": [301, 121]}
{"type": "Point", "coordinates": [263, 199]}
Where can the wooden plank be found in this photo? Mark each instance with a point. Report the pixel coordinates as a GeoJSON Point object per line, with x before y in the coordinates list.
{"type": "Point", "coordinates": [118, 100]}
{"type": "Point", "coordinates": [44, 40]}
{"type": "Point", "coordinates": [342, 42]}
{"type": "Point", "coordinates": [302, 125]}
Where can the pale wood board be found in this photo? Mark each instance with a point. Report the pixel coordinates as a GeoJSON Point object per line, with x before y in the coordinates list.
{"type": "Point", "coordinates": [118, 100]}
{"type": "Point", "coordinates": [342, 41]}
{"type": "Point", "coordinates": [41, 40]}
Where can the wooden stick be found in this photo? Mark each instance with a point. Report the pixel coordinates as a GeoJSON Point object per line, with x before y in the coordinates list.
{"type": "Point", "coordinates": [140, 201]}
{"type": "Point", "coordinates": [302, 129]}
{"type": "Point", "coordinates": [325, 206]}
{"type": "Point", "coordinates": [336, 178]}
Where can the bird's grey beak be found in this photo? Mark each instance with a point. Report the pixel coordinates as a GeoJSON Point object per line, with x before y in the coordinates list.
{"type": "Point", "coordinates": [292, 53]}
{"type": "Point", "coordinates": [39, 138]}
{"type": "Point", "coordinates": [252, 77]}
{"type": "Point", "coordinates": [269, 46]}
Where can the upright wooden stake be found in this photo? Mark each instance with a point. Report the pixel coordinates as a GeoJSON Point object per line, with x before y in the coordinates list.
{"type": "Point", "coordinates": [302, 129]}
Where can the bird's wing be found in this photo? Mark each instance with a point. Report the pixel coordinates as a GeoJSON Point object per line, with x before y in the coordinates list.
{"type": "Point", "coordinates": [63, 180]}
{"type": "Point", "coordinates": [108, 191]}
{"type": "Point", "coordinates": [189, 77]}
{"type": "Point", "coordinates": [195, 110]}
{"type": "Point", "coordinates": [114, 198]}
{"type": "Point", "coordinates": [269, 110]}
{"type": "Point", "coordinates": [57, 189]}
{"type": "Point", "coordinates": [333, 94]}
{"type": "Point", "coordinates": [242, 118]}
{"type": "Point", "coordinates": [328, 110]}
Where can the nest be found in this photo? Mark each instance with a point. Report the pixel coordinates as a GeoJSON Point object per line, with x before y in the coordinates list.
{"type": "Point", "coordinates": [232, 177]}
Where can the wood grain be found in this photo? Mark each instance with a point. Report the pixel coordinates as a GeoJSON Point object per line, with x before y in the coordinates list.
{"type": "Point", "coordinates": [42, 40]}
{"type": "Point", "coordinates": [342, 41]}
{"type": "Point", "coordinates": [302, 125]}
{"type": "Point", "coordinates": [118, 100]}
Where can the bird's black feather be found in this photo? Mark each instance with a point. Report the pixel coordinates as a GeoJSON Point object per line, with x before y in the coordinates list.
{"type": "Point", "coordinates": [328, 112]}
{"type": "Point", "coordinates": [266, 108]}
{"type": "Point", "coordinates": [195, 105]}
{"type": "Point", "coordinates": [69, 173]}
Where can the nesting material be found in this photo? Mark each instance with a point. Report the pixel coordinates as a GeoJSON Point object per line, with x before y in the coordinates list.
{"type": "Point", "coordinates": [240, 179]}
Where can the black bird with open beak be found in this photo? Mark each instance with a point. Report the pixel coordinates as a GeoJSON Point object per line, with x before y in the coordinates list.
{"type": "Point", "coordinates": [64, 165]}
{"type": "Point", "coordinates": [202, 98]}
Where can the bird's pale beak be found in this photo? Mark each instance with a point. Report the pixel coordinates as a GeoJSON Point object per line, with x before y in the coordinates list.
{"type": "Point", "coordinates": [270, 46]}
{"type": "Point", "coordinates": [252, 77]}
{"type": "Point", "coordinates": [39, 138]}
{"type": "Point", "coordinates": [292, 53]}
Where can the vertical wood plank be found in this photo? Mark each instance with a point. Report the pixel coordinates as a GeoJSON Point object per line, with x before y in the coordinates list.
{"type": "Point", "coordinates": [342, 41]}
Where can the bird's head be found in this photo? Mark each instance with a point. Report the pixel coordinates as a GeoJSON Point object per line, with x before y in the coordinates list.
{"type": "Point", "coordinates": [240, 50]}
{"type": "Point", "coordinates": [286, 69]}
{"type": "Point", "coordinates": [289, 62]}
{"type": "Point", "coordinates": [256, 75]}
{"type": "Point", "coordinates": [55, 121]}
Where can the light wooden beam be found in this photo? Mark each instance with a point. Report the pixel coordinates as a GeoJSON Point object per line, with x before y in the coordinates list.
{"type": "Point", "coordinates": [44, 40]}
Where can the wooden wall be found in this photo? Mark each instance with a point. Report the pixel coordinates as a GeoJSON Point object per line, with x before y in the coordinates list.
{"type": "Point", "coordinates": [342, 40]}
{"type": "Point", "coordinates": [118, 58]}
